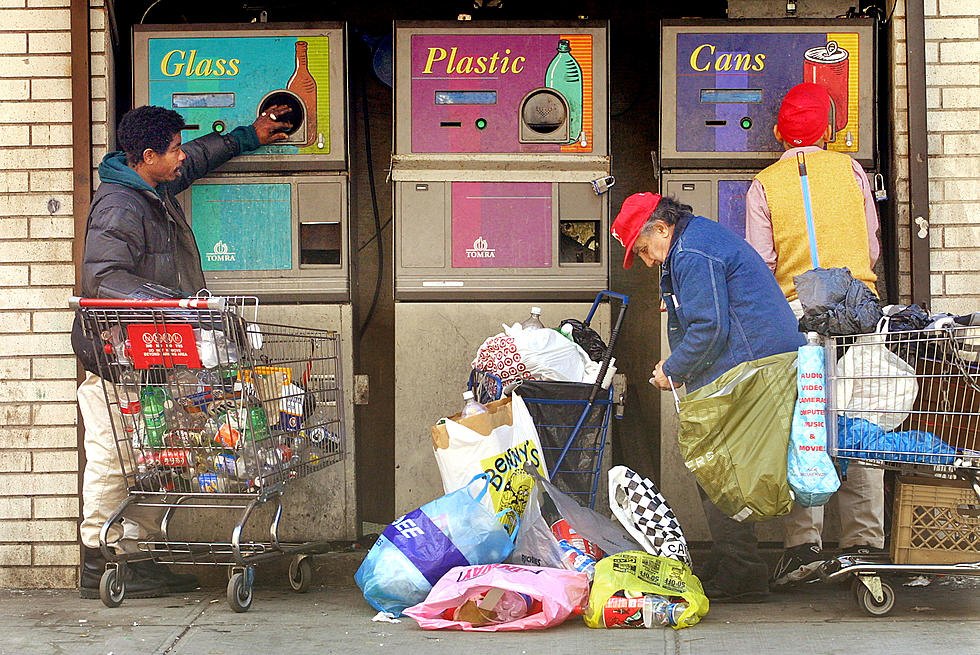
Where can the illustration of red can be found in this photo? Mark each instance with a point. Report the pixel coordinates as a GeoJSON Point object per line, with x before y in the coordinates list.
{"type": "Point", "coordinates": [828, 66]}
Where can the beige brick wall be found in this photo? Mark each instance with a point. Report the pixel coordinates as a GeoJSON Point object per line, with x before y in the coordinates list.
{"type": "Point", "coordinates": [952, 29]}
{"type": "Point", "coordinates": [38, 454]}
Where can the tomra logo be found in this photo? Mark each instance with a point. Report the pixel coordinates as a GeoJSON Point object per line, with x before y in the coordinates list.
{"type": "Point", "coordinates": [481, 250]}
{"type": "Point", "coordinates": [220, 253]}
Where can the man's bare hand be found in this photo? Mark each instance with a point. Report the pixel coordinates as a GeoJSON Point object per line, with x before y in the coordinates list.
{"type": "Point", "coordinates": [659, 378]}
{"type": "Point", "coordinates": [270, 126]}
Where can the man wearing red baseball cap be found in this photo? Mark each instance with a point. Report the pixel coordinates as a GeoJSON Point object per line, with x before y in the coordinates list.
{"type": "Point", "coordinates": [723, 308]}
{"type": "Point", "coordinates": [845, 224]}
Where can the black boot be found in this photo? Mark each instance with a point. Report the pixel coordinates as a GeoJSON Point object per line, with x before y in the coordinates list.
{"type": "Point", "coordinates": [173, 582]}
{"type": "Point", "coordinates": [137, 585]}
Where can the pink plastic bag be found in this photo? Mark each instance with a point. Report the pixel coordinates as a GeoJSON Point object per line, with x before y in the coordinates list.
{"type": "Point", "coordinates": [559, 592]}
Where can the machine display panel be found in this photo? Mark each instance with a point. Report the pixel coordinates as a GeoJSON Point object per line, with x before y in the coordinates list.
{"type": "Point", "coordinates": [189, 100]}
{"type": "Point", "coordinates": [722, 85]}
{"type": "Point", "coordinates": [466, 97]}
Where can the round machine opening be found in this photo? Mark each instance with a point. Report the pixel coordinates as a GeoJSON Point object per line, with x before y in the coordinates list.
{"type": "Point", "coordinates": [296, 113]}
{"type": "Point", "coordinates": [544, 111]}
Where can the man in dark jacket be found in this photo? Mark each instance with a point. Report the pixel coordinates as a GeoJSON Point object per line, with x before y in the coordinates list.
{"type": "Point", "coordinates": [138, 244]}
{"type": "Point", "coordinates": [723, 308]}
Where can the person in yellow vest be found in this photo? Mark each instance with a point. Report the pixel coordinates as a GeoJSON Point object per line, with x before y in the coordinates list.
{"type": "Point", "coordinates": [845, 223]}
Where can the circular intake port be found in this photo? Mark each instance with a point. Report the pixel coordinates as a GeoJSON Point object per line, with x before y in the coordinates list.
{"type": "Point", "coordinates": [544, 111]}
{"type": "Point", "coordinates": [296, 111]}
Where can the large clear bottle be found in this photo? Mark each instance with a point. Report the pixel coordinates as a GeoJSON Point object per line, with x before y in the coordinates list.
{"type": "Point", "coordinates": [533, 322]}
{"type": "Point", "coordinates": [304, 86]}
{"type": "Point", "coordinates": [565, 76]}
{"type": "Point", "coordinates": [471, 406]}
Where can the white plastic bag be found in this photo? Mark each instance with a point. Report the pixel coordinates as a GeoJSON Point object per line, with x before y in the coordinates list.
{"type": "Point", "coordinates": [875, 384]}
{"type": "Point", "coordinates": [549, 355]}
{"type": "Point", "coordinates": [501, 453]}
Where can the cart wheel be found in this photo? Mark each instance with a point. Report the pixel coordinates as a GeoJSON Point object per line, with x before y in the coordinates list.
{"type": "Point", "coordinates": [866, 600]}
{"type": "Point", "coordinates": [300, 574]}
{"type": "Point", "coordinates": [239, 593]}
{"type": "Point", "coordinates": [112, 589]}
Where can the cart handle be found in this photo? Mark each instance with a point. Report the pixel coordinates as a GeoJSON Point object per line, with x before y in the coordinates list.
{"type": "Point", "coordinates": [595, 305]}
{"type": "Point", "coordinates": [216, 303]}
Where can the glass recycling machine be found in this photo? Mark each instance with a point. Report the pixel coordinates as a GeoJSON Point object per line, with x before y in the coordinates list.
{"type": "Point", "coordinates": [721, 86]}
{"type": "Point", "coordinates": [500, 167]}
{"type": "Point", "coordinates": [272, 223]}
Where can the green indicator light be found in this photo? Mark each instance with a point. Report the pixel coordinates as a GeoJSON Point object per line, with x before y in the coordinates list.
{"type": "Point", "coordinates": [746, 123]}
{"type": "Point", "coordinates": [218, 126]}
{"type": "Point", "coordinates": [481, 123]}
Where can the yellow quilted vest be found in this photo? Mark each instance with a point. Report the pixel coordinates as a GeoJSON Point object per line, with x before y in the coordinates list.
{"type": "Point", "coordinates": [839, 221]}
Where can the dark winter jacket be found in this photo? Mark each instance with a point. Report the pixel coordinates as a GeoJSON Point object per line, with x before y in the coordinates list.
{"type": "Point", "coordinates": [723, 304]}
{"type": "Point", "coordinates": [137, 239]}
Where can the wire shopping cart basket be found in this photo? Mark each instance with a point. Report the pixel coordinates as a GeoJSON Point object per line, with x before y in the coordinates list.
{"type": "Point", "coordinates": [213, 411]}
{"type": "Point", "coordinates": [572, 418]}
{"type": "Point", "coordinates": [910, 401]}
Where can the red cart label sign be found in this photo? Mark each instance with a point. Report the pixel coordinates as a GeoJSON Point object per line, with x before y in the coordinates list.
{"type": "Point", "coordinates": [168, 346]}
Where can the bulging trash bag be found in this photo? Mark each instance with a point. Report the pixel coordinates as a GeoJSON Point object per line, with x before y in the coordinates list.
{"type": "Point", "coordinates": [418, 548]}
{"type": "Point", "coordinates": [875, 384]}
{"type": "Point", "coordinates": [734, 433]}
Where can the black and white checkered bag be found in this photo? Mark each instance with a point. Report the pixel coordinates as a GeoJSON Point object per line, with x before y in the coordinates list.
{"type": "Point", "coordinates": [641, 508]}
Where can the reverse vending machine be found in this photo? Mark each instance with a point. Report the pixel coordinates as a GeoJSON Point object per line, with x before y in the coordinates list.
{"type": "Point", "coordinates": [273, 223]}
{"type": "Point", "coordinates": [500, 168]}
{"type": "Point", "coordinates": [721, 85]}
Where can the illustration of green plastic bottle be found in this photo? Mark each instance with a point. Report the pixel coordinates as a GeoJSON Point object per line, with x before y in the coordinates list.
{"type": "Point", "coordinates": [564, 75]}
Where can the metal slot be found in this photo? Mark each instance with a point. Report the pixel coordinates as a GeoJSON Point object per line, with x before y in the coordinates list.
{"type": "Point", "coordinates": [450, 124]}
{"type": "Point", "coordinates": [716, 123]}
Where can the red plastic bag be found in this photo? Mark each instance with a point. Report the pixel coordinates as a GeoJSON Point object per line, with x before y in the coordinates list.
{"type": "Point", "coordinates": [553, 594]}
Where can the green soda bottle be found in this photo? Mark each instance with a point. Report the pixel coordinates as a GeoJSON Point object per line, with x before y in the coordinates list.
{"type": "Point", "coordinates": [153, 401]}
{"type": "Point", "coordinates": [564, 75]}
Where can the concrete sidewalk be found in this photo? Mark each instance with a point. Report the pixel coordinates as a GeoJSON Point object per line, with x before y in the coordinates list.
{"type": "Point", "coordinates": [943, 617]}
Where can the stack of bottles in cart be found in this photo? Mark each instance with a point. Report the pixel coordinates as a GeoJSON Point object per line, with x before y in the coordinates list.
{"type": "Point", "coordinates": [223, 430]}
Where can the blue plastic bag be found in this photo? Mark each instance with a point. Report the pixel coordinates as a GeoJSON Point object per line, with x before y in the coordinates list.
{"type": "Point", "coordinates": [862, 439]}
{"type": "Point", "coordinates": [418, 548]}
{"type": "Point", "coordinates": [809, 469]}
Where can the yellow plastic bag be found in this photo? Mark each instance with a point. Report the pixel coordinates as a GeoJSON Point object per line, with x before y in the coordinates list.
{"type": "Point", "coordinates": [637, 572]}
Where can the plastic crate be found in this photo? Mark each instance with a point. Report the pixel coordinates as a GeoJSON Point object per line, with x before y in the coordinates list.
{"type": "Point", "coordinates": [935, 522]}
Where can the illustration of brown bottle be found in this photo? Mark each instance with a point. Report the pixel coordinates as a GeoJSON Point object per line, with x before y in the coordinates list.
{"type": "Point", "coordinates": [304, 86]}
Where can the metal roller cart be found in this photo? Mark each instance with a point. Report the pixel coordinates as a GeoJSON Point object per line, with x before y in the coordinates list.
{"type": "Point", "coordinates": [213, 412]}
{"type": "Point", "coordinates": [572, 418]}
{"type": "Point", "coordinates": [910, 401]}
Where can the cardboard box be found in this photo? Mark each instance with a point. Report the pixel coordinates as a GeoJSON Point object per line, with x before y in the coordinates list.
{"type": "Point", "coordinates": [500, 413]}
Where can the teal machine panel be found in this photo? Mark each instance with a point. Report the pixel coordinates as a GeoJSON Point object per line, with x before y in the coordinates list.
{"type": "Point", "coordinates": [218, 78]}
{"type": "Point", "coordinates": [273, 222]}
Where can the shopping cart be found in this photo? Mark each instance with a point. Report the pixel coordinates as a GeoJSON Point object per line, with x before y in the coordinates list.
{"type": "Point", "coordinates": [213, 412]}
{"type": "Point", "coordinates": [572, 418]}
{"type": "Point", "coordinates": [910, 401]}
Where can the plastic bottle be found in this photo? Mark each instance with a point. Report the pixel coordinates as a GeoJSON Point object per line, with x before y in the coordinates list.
{"type": "Point", "coordinates": [575, 559]}
{"type": "Point", "coordinates": [533, 322]}
{"type": "Point", "coordinates": [471, 406]}
{"type": "Point", "coordinates": [565, 76]}
{"type": "Point", "coordinates": [128, 396]}
{"type": "Point", "coordinates": [153, 401]}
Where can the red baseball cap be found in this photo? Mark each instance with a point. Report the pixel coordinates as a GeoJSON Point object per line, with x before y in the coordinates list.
{"type": "Point", "coordinates": [804, 115]}
{"type": "Point", "coordinates": [630, 220]}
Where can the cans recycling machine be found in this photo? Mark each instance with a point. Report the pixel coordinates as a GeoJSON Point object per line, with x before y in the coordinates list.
{"type": "Point", "coordinates": [721, 85]}
{"type": "Point", "coordinates": [273, 223]}
{"type": "Point", "coordinates": [500, 167]}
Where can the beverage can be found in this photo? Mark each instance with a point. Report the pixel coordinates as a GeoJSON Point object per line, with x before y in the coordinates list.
{"type": "Point", "coordinates": [175, 457]}
{"type": "Point", "coordinates": [828, 66]}
{"type": "Point", "coordinates": [211, 483]}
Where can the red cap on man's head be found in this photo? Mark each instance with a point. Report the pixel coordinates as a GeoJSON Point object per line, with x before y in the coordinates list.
{"type": "Point", "coordinates": [804, 114]}
{"type": "Point", "coordinates": [631, 219]}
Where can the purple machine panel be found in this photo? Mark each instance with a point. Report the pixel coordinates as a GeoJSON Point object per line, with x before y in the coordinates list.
{"type": "Point", "coordinates": [467, 89]}
{"type": "Point", "coordinates": [501, 224]}
{"type": "Point", "coordinates": [731, 204]}
{"type": "Point", "coordinates": [730, 85]}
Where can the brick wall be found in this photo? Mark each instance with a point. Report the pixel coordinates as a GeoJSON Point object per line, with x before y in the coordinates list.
{"type": "Point", "coordinates": [952, 29]}
{"type": "Point", "coordinates": [38, 454]}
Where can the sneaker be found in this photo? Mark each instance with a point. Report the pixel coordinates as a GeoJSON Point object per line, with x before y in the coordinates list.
{"type": "Point", "coordinates": [138, 585]}
{"type": "Point", "coordinates": [798, 564]}
{"type": "Point", "coordinates": [862, 551]}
